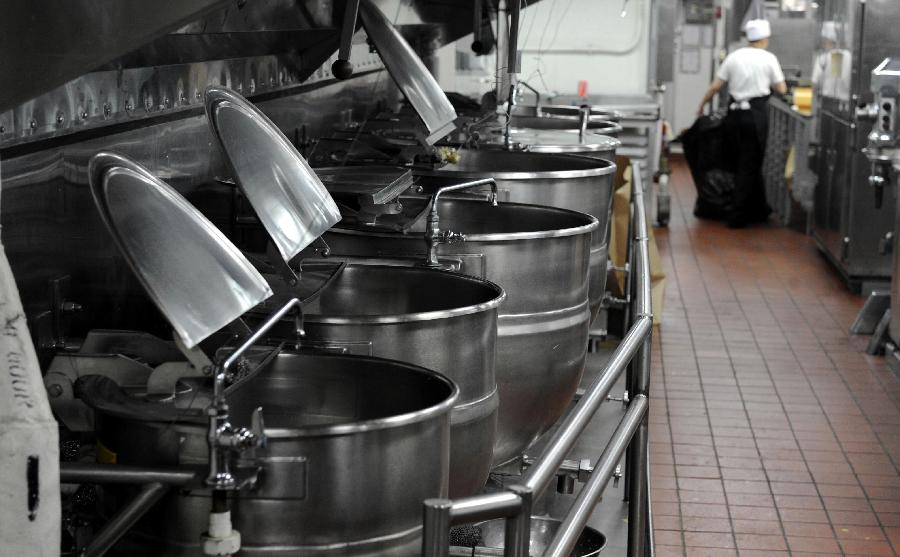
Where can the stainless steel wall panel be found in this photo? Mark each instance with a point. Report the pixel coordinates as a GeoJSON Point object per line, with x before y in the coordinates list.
{"type": "Point", "coordinates": [51, 228]}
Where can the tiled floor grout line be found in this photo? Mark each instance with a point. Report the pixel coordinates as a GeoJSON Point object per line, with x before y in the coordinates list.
{"type": "Point", "coordinates": [791, 426]}
{"type": "Point", "coordinates": [834, 432]}
{"type": "Point", "coordinates": [681, 206]}
{"type": "Point", "coordinates": [828, 418]}
{"type": "Point", "coordinates": [761, 303]}
{"type": "Point", "coordinates": [664, 385]}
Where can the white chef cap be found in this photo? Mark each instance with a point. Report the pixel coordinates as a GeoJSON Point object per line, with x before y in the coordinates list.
{"type": "Point", "coordinates": [830, 31]}
{"type": "Point", "coordinates": [757, 29]}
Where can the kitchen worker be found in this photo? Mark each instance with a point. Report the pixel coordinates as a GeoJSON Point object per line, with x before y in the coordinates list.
{"type": "Point", "coordinates": [831, 67]}
{"type": "Point", "coordinates": [751, 73]}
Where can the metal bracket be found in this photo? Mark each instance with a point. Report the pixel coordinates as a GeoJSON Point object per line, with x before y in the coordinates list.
{"type": "Point", "coordinates": [624, 399]}
{"type": "Point", "coordinates": [287, 273]}
{"type": "Point", "coordinates": [568, 473]}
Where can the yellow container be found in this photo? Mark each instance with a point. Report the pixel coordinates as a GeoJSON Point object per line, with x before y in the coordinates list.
{"type": "Point", "coordinates": [803, 99]}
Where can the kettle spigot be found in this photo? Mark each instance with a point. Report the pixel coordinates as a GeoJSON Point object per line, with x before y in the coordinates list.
{"type": "Point", "coordinates": [433, 235]}
{"type": "Point", "coordinates": [299, 331]}
{"type": "Point", "coordinates": [223, 438]}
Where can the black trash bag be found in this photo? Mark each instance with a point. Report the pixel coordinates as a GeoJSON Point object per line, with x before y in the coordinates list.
{"type": "Point", "coordinates": [715, 199]}
{"type": "Point", "coordinates": [705, 150]}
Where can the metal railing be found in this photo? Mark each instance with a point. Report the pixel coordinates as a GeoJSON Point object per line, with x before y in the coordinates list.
{"type": "Point", "coordinates": [514, 503]}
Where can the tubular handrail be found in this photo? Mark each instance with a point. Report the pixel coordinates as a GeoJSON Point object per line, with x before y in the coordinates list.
{"type": "Point", "coordinates": [514, 503]}
{"type": "Point", "coordinates": [567, 536]}
{"type": "Point", "coordinates": [540, 474]}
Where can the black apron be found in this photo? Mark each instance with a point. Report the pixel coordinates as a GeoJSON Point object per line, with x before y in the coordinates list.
{"type": "Point", "coordinates": [745, 137]}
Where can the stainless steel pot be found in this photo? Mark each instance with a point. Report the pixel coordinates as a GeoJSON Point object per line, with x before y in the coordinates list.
{"type": "Point", "coordinates": [560, 142]}
{"type": "Point", "coordinates": [568, 182]}
{"type": "Point", "coordinates": [355, 444]}
{"type": "Point", "coordinates": [439, 320]}
{"type": "Point", "coordinates": [492, 534]}
{"type": "Point", "coordinates": [606, 127]}
{"type": "Point", "coordinates": [540, 256]}
{"type": "Point", "coordinates": [564, 110]}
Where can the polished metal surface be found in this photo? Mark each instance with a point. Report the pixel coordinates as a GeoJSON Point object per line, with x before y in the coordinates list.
{"type": "Point", "coordinates": [576, 183]}
{"type": "Point", "coordinates": [410, 74]}
{"type": "Point", "coordinates": [442, 321]}
{"type": "Point", "coordinates": [447, 335]}
{"type": "Point", "coordinates": [105, 100]}
{"type": "Point", "coordinates": [568, 142]}
{"type": "Point", "coordinates": [605, 127]}
{"type": "Point", "coordinates": [45, 44]}
{"type": "Point", "coordinates": [563, 110]}
{"type": "Point", "coordinates": [51, 228]}
{"type": "Point", "coordinates": [520, 495]}
{"type": "Point", "coordinates": [197, 278]}
{"type": "Point", "coordinates": [847, 225]}
{"type": "Point", "coordinates": [368, 438]}
{"type": "Point", "coordinates": [589, 543]}
{"type": "Point", "coordinates": [540, 256]}
{"type": "Point", "coordinates": [566, 538]}
{"type": "Point", "coordinates": [288, 197]}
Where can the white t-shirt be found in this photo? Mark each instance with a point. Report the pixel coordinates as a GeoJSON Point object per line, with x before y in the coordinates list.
{"type": "Point", "coordinates": [750, 72]}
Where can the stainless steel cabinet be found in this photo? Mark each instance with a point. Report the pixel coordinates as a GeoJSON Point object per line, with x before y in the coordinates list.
{"type": "Point", "coordinates": [848, 226]}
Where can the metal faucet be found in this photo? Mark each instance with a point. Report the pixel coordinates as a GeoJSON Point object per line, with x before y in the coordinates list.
{"type": "Point", "coordinates": [537, 95]}
{"type": "Point", "coordinates": [433, 235]}
{"type": "Point", "coordinates": [223, 438]}
{"type": "Point", "coordinates": [583, 124]}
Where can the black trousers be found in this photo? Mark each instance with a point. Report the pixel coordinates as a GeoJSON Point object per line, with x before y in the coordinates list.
{"type": "Point", "coordinates": [745, 138]}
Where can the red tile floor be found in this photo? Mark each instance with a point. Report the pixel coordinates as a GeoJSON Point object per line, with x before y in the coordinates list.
{"type": "Point", "coordinates": [772, 432]}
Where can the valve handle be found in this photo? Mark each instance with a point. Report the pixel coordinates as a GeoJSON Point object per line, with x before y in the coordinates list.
{"type": "Point", "coordinates": [342, 68]}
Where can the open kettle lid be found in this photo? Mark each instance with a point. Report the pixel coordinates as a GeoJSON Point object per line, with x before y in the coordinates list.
{"type": "Point", "coordinates": [197, 278]}
{"type": "Point", "coordinates": [416, 83]}
{"type": "Point", "coordinates": [288, 197]}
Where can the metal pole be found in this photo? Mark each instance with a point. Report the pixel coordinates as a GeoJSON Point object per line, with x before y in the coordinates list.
{"type": "Point", "coordinates": [567, 536]}
{"type": "Point", "coordinates": [73, 473]}
{"type": "Point", "coordinates": [538, 477]}
{"type": "Point", "coordinates": [518, 528]}
{"type": "Point", "coordinates": [502, 78]}
{"type": "Point", "coordinates": [512, 59]}
{"type": "Point", "coordinates": [638, 507]}
{"type": "Point", "coordinates": [125, 519]}
{"type": "Point", "coordinates": [485, 507]}
{"type": "Point", "coordinates": [436, 530]}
